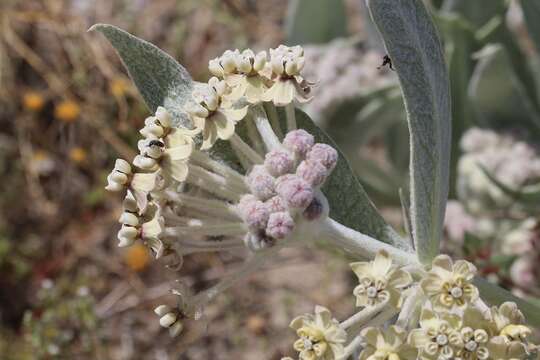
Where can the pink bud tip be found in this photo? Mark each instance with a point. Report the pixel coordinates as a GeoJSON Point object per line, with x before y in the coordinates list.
{"type": "Point", "coordinates": [279, 162]}
{"type": "Point", "coordinates": [280, 225]}
{"type": "Point", "coordinates": [254, 213]}
{"type": "Point", "coordinates": [313, 172]}
{"type": "Point", "coordinates": [299, 142]}
{"type": "Point", "coordinates": [295, 191]}
{"type": "Point", "coordinates": [261, 183]}
{"type": "Point", "coordinates": [314, 210]}
{"type": "Point", "coordinates": [276, 204]}
{"type": "Point", "coordinates": [325, 154]}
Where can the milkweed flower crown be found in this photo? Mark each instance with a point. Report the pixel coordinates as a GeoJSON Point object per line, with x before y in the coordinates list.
{"type": "Point", "coordinates": [418, 321]}
{"type": "Point", "coordinates": [182, 198]}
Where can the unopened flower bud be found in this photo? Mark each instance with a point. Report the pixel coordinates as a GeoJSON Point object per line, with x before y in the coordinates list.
{"type": "Point", "coordinates": [128, 218]}
{"type": "Point", "coordinates": [295, 191]}
{"type": "Point", "coordinates": [280, 225]}
{"type": "Point", "coordinates": [161, 310]}
{"type": "Point", "coordinates": [279, 162]}
{"type": "Point", "coordinates": [167, 320]}
{"type": "Point", "coordinates": [276, 204]}
{"type": "Point", "coordinates": [325, 154]}
{"type": "Point", "coordinates": [261, 183]}
{"type": "Point", "coordinates": [313, 172]}
{"type": "Point", "coordinates": [299, 142]}
{"type": "Point", "coordinates": [255, 214]}
{"type": "Point", "coordinates": [163, 117]}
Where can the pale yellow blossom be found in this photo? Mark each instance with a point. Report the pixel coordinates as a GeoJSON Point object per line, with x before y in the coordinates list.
{"type": "Point", "coordinates": [438, 335]}
{"type": "Point", "coordinates": [388, 344]}
{"type": "Point", "coordinates": [380, 281]}
{"type": "Point", "coordinates": [321, 337]}
{"type": "Point", "coordinates": [448, 284]}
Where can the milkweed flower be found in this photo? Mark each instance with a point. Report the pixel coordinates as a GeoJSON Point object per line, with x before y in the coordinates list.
{"type": "Point", "coordinates": [380, 281]}
{"type": "Point", "coordinates": [388, 344]}
{"type": "Point", "coordinates": [284, 68]}
{"type": "Point", "coordinates": [320, 335]}
{"type": "Point", "coordinates": [449, 284]}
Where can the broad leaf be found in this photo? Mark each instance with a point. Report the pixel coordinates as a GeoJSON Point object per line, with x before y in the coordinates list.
{"type": "Point", "coordinates": [315, 21]}
{"type": "Point", "coordinates": [414, 47]}
{"type": "Point", "coordinates": [161, 80]}
{"type": "Point", "coordinates": [497, 94]}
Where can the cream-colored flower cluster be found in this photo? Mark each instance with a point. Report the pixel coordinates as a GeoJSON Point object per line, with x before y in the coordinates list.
{"type": "Point", "coordinates": [182, 199]}
{"type": "Point", "coordinates": [439, 316]}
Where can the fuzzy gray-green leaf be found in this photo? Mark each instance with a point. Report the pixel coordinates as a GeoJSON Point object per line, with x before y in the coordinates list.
{"type": "Point", "coordinates": [161, 80]}
{"type": "Point", "coordinates": [315, 21]}
{"type": "Point", "coordinates": [414, 47]}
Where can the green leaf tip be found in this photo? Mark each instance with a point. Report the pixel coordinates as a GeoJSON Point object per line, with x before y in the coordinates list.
{"type": "Point", "coordinates": [160, 79]}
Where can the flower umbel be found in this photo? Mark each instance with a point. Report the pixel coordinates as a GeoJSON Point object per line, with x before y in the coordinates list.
{"type": "Point", "coordinates": [321, 337]}
{"type": "Point", "coordinates": [380, 281]}
{"type": "Point", "coordinates": [449, 284]}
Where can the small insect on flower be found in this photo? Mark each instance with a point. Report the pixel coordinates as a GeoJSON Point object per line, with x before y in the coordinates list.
{"type": "Point", "coordinates": [386, 61]}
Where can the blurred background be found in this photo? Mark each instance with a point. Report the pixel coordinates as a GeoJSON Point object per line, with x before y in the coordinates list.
{"type": "Point", "coordinates": [68, 109]}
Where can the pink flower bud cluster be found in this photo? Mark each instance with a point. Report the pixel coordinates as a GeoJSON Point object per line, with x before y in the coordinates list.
{"type": "Point", "coordinates": [284, 188]}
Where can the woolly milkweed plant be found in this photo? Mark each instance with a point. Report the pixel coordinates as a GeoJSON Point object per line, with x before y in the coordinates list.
{"type": "Point", "coordinates": [231, 165]}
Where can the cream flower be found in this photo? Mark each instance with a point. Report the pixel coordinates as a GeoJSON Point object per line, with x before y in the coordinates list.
{"type": "Point", "coordinates": [438, 336]}
{"type": "Point", "coordinates": [389, 344]}
{"type": "Point", "coordinates": [248, 81]}
{"type": "Point", "coordinates": [449, 284]}
{"type": "Point", "coordinates": [284, 69]}
{"type": "Point", "coordinates": [380, 281]}
{"type": "Point", "coordinates": [511, 334]}
{"type": "Point", "coordinates": [213, 115]}
{"type": "Point", "coordinates": [476, 333]}
{"type": "Point", "coordinates": [321, 337]}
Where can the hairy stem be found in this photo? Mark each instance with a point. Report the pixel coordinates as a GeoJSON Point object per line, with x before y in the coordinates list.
{"type": "Point", "coordinates": [268, 135]}
{"type": "Point", "coordinates": [272, 114]}
{"type": "Point", "coordinates": [291, 117]}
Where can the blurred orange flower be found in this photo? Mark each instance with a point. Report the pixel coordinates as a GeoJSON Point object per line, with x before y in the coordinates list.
{"type": "Point", "coordinates": [77, 155]}
{"type": "Point", "coordinates": [119, 87]}
{"type": "Point", "coordinates": [67, 111]}
{"type": "Point", "coordinates": [33, 101]}
{"type": "Point", "coordinates": [137, 257]}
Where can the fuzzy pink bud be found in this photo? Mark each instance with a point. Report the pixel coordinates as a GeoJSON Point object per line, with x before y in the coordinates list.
{"type": "Point", "coordinates": [254, 213]}
{"type": "Point", "coordinates": [276, 204]}
{"type": "Point", "coordinates": [299, 141]}
{"type": "Point", "coordinates": [324, 154]}
{"type": "Point", "coordinates": [280, 225]}
{"type": "Point", "coordinates": [295, 191]}
{"type": "Point", "coordinates": [261, 183]}
{"type": "Point", "coordinates": [279, 162]}
{"type": "Point", "coordinates": [313, 172]}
